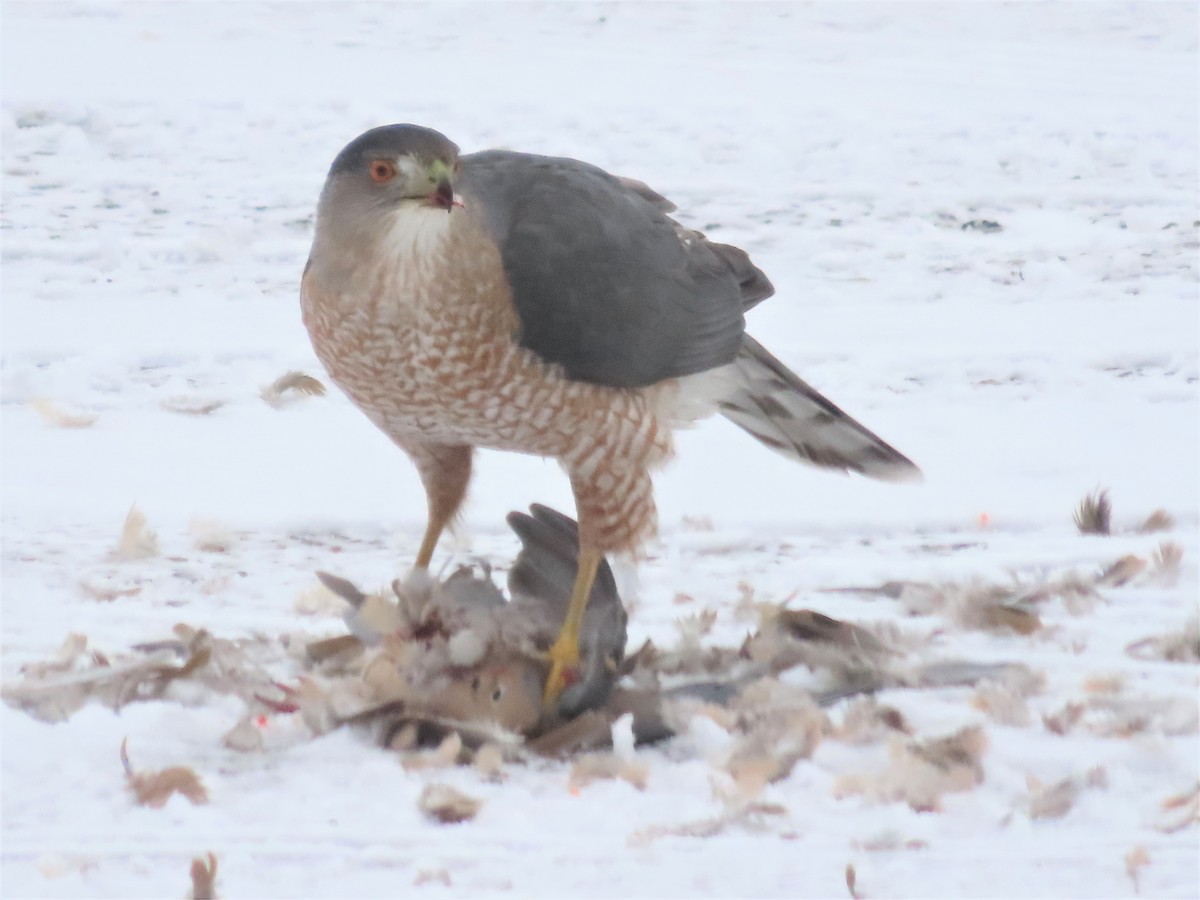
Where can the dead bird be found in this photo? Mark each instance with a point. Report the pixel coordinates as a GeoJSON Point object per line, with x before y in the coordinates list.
{"type": "Point", "coordinates": [457, 656]}
{"type": "Point", "coordinates": [458, 650]}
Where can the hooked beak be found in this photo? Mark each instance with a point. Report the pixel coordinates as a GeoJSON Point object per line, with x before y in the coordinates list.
{"type": "Point", "coordinates": [442, 196]}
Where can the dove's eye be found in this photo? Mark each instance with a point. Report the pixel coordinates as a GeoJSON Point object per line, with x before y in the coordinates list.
{"type": "Point", "coordinates": [497, 694]}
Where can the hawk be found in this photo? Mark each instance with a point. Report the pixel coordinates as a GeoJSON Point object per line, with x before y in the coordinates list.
{"type": "Point", "coordinates": [541, 305]}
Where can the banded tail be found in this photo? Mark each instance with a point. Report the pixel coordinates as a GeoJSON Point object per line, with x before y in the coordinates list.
{"type": "Point", "coordinates": [776, 406]}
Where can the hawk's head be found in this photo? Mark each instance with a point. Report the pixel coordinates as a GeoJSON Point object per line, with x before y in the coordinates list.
{"type": "Point", "coordinates": [395, 167]}
{"type": "Point", "coordinates": [387, 194]}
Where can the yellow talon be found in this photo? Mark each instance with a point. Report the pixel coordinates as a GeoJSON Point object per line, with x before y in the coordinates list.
{"type": "Point", "coordinates": [564, 653]}
{"type": "Point", "coordinates": [564, 663]}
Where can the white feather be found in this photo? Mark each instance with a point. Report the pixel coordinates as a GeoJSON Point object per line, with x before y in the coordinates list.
{"type": "Point", "coordinates": [416, 233]}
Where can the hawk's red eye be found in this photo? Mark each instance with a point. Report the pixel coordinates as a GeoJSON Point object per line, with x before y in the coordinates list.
{"type": "Point", "coordinates": [382, 170]}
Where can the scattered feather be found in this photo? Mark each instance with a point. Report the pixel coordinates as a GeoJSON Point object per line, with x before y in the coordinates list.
{"type": "Point", "coordinates": [753, 768]}
{"type": "Point", "coordinates": [890, 589]}
{"type": "Point", "coordinates": [59, 865]}
{"type": "Point", "coordinates": [1065, 719]}
{"type": "Point", "coordinates": [447, 805]}
{"type": "Point", "coordinates": [1051, 801]}
{"type": "Point", "coordinates": [489, 762]}
{"type": "Point", "coordinates": [867, 721]}
{"type": "Point", "coordinates": [1179, 646]}
{"type": "Point", "coordinates": [290, 387]}
{"type": "Point", "coordinates": [204, 877]}
{"type": "Point", "coordinates": [1182, 810]}
{"type": "Point", "coordinates": [623, 740]}
{"type": "Point", "coordinates": [920, 771]}
{"type": "Point", "coordinates": [692, 628]}
{"type": "Point", "coordinates": [192, 406]}
{"type": "Point", "coordinates": [153, 789]}
{"type": "Point", "coordinates": [245, 736]}
{"type": "Point", "coordinates": [1135, 859]}
{"type": "Point", "coordinates": [136, 540]}
{"type": "Point", "coordinates": [106, 593]}
{"type": "Point", "coordinates": [376, 617]}
{"type": "Point", "coordinates": [342, 588]}
{"type": "Point", "coordinates": [607, 766]}
{"type": "Point", "coordinates": [983, 225]}
{"type": "Point", "coordinates": [964, 749]}
{"type": "Point", "coordinates": [589, 731]}
{"type": "Point", "coordinates": [322, 709]}
{"type": "Point", "coordinates": [52, 413]}
{"type": "Point", "coordinates": [52, 691]}
{"type": "Point", "coordinates": [791, 637]}
{"type": "Point", "coordinates": [747, 607]}
{"type": "Point", "coordinates": [1015, 618]}
{"type": "Point", "coordinates": [399, 727]}
{"type": "Point", "coordinates": [776, 725]}
{"type": "Point", "coordinates": [1002, 704]}
{"type": "Point", "coordinates": [1159, 520]}
{"type": "Point", "coordinates": [318, 600]}
{"type": "Point", "coordinates": [334, 653]}
{"type": "Point", "coordinates": [1121, 572]}
{"type": "Point", "coordinates": [978, 605]}
{"type": "Point", "coordinates": [1094, 514]}
{"type": "Point", "coordinates": [1113, 683]}
{"type": "Point", "coordinates": [1167, 564]}
{"type": "Point", "coordinates": [193, 660]}
{"type": "Point", "coordinates": [433, 876]}
{"type": "Point", "coordinates": [216, 584]}
{"type": "Point", "coordinates": [888, 841]}
{"type": "Point", "coordinates": [446, 754]}
{"type": "Point", "coordinates": [1022, 680]}
{"type": "Point", "coordinates": [852, 881]}
{"type": "Point", "coordinates": [767, 725]}
{"type": "Point", "coordinates": [752, 816]}
{"type": "Point", "coordinates": [210, 537]}
{"type": "Point", "coordinates": [70, 653]}
{"type": "Point", "coordinates": [1125, 716]}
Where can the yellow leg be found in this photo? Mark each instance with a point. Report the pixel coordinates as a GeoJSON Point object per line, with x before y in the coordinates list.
{"type": "Point", "coordinates": [428, 543]}
{"type": "Point", "coordinates": [564, 654]}
{"type": "Point", "coordinates": [445, 470]}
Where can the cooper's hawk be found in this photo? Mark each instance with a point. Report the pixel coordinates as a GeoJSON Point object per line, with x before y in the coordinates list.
{"type": "Point", "coordinates": [541, 305]}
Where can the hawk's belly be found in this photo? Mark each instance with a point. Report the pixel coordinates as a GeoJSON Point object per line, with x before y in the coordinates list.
{"type": "Point", "coordinates": [446, 379]}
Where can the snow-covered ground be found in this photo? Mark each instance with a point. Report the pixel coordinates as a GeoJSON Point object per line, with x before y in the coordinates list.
{"type": "Point", "coordinates": [160, 168]}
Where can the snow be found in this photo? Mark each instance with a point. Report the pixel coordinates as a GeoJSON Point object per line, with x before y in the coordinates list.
{"type": "Point", "coordinates": [157, 201]}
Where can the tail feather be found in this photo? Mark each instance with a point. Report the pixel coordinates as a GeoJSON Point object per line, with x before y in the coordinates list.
{"type": "Point", "coordinates": [777, 407]}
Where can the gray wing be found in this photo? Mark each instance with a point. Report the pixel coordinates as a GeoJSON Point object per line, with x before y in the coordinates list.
{"type": "Point", "coordinates": [605, 284]}
{"type": "Point", "coordinates": [546, 567]}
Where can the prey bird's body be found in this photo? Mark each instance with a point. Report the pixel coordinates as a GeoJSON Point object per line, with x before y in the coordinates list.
{"type": "Point", "coordinates": [543, 306]}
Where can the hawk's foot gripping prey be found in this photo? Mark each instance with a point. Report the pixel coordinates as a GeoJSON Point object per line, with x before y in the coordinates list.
{"type": "Point", "coordinates": [544, 306]}
{"type": "Point", "coordinates": [564, 652]}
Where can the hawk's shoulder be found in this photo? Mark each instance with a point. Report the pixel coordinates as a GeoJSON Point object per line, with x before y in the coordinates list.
{"type": "Point", "coordinates": [604, 282]}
